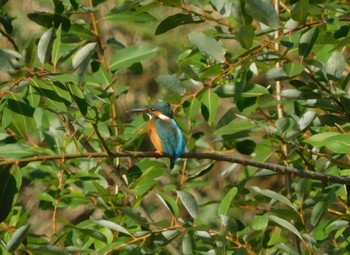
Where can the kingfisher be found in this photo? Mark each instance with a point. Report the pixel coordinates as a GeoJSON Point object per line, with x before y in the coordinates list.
{"type": "Point", "coordinates": [163, 131]}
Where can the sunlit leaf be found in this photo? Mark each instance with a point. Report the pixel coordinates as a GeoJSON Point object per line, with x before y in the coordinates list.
{"type": "Point", "coordinates": [112, 225]}
{"type": "Point", "coordinates": [45, 45]}
{"type": "Point", "coordinates": [234, 126]}
{"type": "Point", "coordinates": [84, 54]}
{"type": "Point", "coordinates": [124, 58]}
{"type": "Point", "coordinates": [56, 46]}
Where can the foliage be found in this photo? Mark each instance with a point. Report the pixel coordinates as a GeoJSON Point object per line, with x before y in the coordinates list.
{"type": "Point", "coordinates": [246, 80]}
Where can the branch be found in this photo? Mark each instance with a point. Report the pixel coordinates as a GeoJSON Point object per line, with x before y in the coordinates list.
{"type": "Point", "coordinates": [326, 178]}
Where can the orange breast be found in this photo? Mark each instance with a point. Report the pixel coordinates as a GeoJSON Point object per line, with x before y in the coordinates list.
{"type": "Point", "coordinates": [155, 139]}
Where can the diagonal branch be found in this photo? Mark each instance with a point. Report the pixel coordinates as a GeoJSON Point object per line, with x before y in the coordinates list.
{"type": "Point", "coordinates": [303, 173]}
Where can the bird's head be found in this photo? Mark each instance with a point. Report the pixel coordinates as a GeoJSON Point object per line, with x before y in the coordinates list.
{"type": "Point", "coordinates": [160, 109]}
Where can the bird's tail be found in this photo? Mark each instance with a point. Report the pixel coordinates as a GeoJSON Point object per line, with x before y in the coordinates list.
{"type": "Point", "coordinates": [172, 163]}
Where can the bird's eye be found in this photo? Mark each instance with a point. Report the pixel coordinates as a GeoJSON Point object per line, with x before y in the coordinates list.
{"type": "Point", "coordinates": [152, 109]}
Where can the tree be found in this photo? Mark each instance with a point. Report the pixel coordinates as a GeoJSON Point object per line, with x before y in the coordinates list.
{"type": "Point", "coordinates": [260, 89]}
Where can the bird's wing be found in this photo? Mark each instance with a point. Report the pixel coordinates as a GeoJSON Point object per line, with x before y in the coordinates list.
{"type": "Point", "coordinates": [171, 136]}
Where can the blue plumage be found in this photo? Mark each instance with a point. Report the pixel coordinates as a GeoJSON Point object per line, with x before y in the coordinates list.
{"type": "Point", "coordinates": [164, 132]}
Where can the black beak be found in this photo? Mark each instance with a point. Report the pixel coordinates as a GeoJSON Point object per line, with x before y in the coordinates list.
{"type": "Point", "coordinates": [139, 110]}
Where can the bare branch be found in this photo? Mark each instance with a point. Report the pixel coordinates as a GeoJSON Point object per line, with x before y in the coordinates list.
{"type": "Point", "coordinates": [303, 173]}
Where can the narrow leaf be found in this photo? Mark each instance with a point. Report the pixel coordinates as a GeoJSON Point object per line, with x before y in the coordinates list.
{"type": "Point", "coordinates": [339, 143]}
{"type": "Point", "coordinates": [320, 209]}
{"type": "Point", "coordinates": [124, 58]}
{"type": "Point", "coordinates": [17, 238]}
{"type": "Point", "coordinates": [226, 201]}
{"type": "Point", "coordinates": [169, 203]}
{"type": "Point", "coordinates": [263, 11]}
{"type": "Point", "coordinates": [307, 41]}
{"type": "Point", "coordinates": [113, 226]}
{"type": "Point", "coordinates": [234, 126]}
{"type": "Point", "coordinates": [300, 10]}
{"type": "Point", "coordinates": [45, 45]}
{"type": "Point", "coordinates": [208, 45]}
{"type": "Point", "coordinates": [293, 69]}
{"type": "Point", "coordinates": [189, 203]}
{"type": "Point", "coordinates": [56, 46]}
{"type": "Point", "coordinates": [8, 190]}
{"type": "Point", "coordinates": [273, 195]}
{"type": "Point", "coordinates": [171, 83]}
{"type": "Point", "coordinates": [84, 54]}
{"type": "Point", "coordinates": [176, 20]}
{"type": "Point", "coordinates": [209, 102]}
{"type": "Point", "coordinates": [285, 224]}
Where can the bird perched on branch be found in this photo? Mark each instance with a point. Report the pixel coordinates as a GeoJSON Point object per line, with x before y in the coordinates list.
{"type": "Point", "coordinates": [163, 131]}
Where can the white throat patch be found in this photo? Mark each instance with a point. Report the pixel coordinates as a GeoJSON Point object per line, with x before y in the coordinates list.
{"type": "Point", "coordinates": [163, 117]}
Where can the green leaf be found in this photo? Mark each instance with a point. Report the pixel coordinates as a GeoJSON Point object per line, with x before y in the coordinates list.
{"type": "Point", "coordinates": [189, 203]}
{"type": "Point", "coordinates": [293, 69]}
{"type": "Point", "coordinates": [260, 222]}
{"type": "Point", "coordinates": [17, 238]}
{"type": "Point", "coordinates": [339, 143]}
{"type": "Point", "coordinates": [226, 201]}
{"type": "Point", "coordinates": [56, 47]}
{"type": "Point", "coordinates": [186, 244]}
{"type": "Point", "coordinates": [263, 11]}
{"type": "Point", "coordinates": [48, 249]}
{"type": "Point", "coordinates": [191, 107]}
{"type": "Point", "coordinates": [130, 16]}
{"type": "Point", "coordinates": [5, 63]}
{"type": "Point", "coordinates": [246, 147]}
{"type": "Point", "coordinates": [47, 20]}
{"type": "Point", "coordinates": [8, 190]}
{"type": "Point", "coordinates": [300, 10]}
{"type": "Point", "coordinates": [335, 65]}
{"type": "Point", "coordinates": [207, 45]}
{"type": "Point", "coordinates": [55, 94]}
{"type": "Point", "coordinates": [124, 58]}
{"type": "Point", "coordinates": [306, 120]}
{"type": "Point", "coordinates": [169, 203]}
{"type": "Point", "coordinates": [92, 233]}
{"type": "Point", "coordinates": [171, 83]}
{"type": "Point", "coordinates": [234, 126]}
{"type": "Point", "coordinates": [285, 224]}
{"type": "Point", "coordinates": [209, 107]}
{"type": "Point", "coordinates": [253, 90]}
{"type": "Point", "coordinates": [307, 41]}
{"type": "Point", "coordinates": [18, 115]}
{"type": "Point", "coordinates": [273, 195]}
{"type": "Point", "coordinates": [113, 226]}
{"type": "Point", "coordinates": [84, 54]}
{"type": "Point", "coordinates": [176, 20]}
{"type": "Point", "coordinates": [319, 140]}
{"type": "Point", "coordinates": [320, 209]}
{"type": "Point", "coordinates": [245, 36]}
{"type": "Point", "coordinates": [45, 45]}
